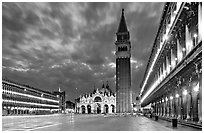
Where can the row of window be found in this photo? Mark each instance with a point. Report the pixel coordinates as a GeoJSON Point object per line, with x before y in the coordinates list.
{"type": "Point", "coordinates": [17, 91]}
{"type": "Point", "coordinates": [26, 99]}
{"type": "Point", "coordinates": [124, 48]}
{"type": "Point", "coordinates": [16, 103]}
{"type": "Point", "coordinates": [27, 91]}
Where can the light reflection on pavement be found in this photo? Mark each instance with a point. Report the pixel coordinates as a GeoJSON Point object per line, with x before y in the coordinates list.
{"type": "Point", "coordinates": [73, 122]}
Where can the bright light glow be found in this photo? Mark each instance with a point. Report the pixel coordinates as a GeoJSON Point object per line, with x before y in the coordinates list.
{"type": "Point", "coordinates": [41, 98]}
{"type": "Point", "coordinates": [166, 99]}
{"type": "Point", "coordinates": [183, 49]}
{"type": "Point", "coordinates": [196, 88]}
{"type": "Point", "coordinates": [176, 59]}
{"type": "Point", "coordinates": [177, 95]}
{"type": "Point", "coordinates": [185, 92]}
{"type": "Point", "coordinates": [162, 100]}
{"type": "Point", "coordinates": [195, 35]}
{"type": "Point", "coordinates": [171, 97]}
{"type": "Point", "coordinates": [165, 38]}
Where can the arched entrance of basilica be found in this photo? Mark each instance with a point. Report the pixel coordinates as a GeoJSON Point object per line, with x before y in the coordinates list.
{"type": "Point", "coordinates": [98, 108]}
{"type": "Point", "coordinates": [105, 108]}
{"type": "Point", "coordinates": [83, 109]}
{"type": "Point", "coordinates": [89, 109]}
{"type": "Point", "coordinates": [113, 108]}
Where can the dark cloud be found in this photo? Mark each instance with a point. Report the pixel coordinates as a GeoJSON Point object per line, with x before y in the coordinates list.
{"type": "Point", "coordinates": [48, 33]}
{"type": "Point", "coordinates": [71, 45]}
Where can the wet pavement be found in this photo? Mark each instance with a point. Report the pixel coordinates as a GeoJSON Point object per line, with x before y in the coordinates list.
{"type": "Point", "coordinates": [73, 122]}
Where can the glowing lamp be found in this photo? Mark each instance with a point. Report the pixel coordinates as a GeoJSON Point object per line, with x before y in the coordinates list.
{"type": "Point", "coordinates": [185, 92]}
{"type": "Point", "coordinates": [177, 95]}
{"type": "Point", "coordinates": [196, 88]}
{"type": "Point", "coordinates": [195, 35]}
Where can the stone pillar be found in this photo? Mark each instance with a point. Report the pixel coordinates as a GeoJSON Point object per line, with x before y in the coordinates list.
{"type": "Point", "coordinates": [200, 99]}
{"type": "Point", "coordinates": [188, 110]}
{"type": "Point", "coordinates": [179, 108]}
{"type": "Point", "coordinates": [168, 108]}
{"type": "Point", "coordinates": [86, 110]}
{"type": "Point", "coordinates": [195, 106]}
{"type": "Point", "coordinates": [109, 109]}
{"type": "Point", "coordinates": [164, 108]}
{"type": "Point", "coordinates": [171, 107]}
{"type": "Point", "coordinates": [80, 110]}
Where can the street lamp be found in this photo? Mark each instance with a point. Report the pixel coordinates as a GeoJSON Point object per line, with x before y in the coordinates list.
{"type": "Point", "coordinates": [171, 97]}
{"type": "Point", "coordinates": [166, 99]}
{"type": "Point", "coordinates": [196, 88]}
{"type": "Point", "coordinates": [183, 49]}
{"type": "Point", "coordinates": [177, 95]}
{"type": "Point", "coordinates": [195, 36]}
{"type": "Point", "coordinates": [185, 92]}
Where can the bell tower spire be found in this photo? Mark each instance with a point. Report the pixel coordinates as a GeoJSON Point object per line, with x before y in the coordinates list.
{"type": "Point", "coordinates": [122, 26]}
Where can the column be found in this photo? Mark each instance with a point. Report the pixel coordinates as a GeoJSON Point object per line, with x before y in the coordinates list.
{"type": "Point", "coordinates": [109, 109]}
{"type": "Point", "coordinates": [179, 107]}
{"type": "Point", "coordinates": [86, 110]}
{"type": "Point", "coordinates": [194, 105]}
{"type": "Point", "coordinates": [164, 108]}
{"type": "Point", "coordinates": [168, 108]}
{"type": "Point", "coordinates": [188, 110]}
{"type": "Point", "coordinates": [200, 99]}
{"type": "Point", "coordinates": [171, 107]}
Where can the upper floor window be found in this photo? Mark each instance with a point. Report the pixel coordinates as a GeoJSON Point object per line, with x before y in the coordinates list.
{"type": "Point", "coordinates": [97, 99]}
{"type": "Point", "coordinates": [124, 48]}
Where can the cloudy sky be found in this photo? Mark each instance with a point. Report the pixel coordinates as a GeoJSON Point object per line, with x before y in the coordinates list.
{"type": "Point", "coordinates": [71, 45]}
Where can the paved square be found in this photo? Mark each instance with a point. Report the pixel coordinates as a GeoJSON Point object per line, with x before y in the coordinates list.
{"type": "Point", "coordinates": [67, 122]}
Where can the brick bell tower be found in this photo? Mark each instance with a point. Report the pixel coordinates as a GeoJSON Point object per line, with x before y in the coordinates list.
{"type": "Point", "coordinates": [123, 68]}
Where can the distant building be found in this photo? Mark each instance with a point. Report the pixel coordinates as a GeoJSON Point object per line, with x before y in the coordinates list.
{"type": "Point", "coordinates": [137, 105]}
{"type": "Point", "coordinates": [24, 99]}
{"type": "Point", "coordinates": [70, 106]}
{"type": "Point", "coordinates": [61, 95]}
{"type": "Point", "coordinates": [99, 101]}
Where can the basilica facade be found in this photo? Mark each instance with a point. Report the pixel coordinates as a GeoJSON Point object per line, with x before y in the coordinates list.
{"type": "Point", "coordinates": [99, 101]}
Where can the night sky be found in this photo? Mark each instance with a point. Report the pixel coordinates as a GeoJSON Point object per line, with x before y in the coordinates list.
{"type": "Point", "coordinates": [72, 45]}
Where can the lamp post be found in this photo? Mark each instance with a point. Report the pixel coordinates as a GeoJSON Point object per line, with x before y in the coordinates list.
{"type": "Point", "coordinates": [195, 37]}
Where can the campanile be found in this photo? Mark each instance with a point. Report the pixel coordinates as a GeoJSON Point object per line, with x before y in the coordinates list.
{"type": "Point", "coordinates": [123, 68]}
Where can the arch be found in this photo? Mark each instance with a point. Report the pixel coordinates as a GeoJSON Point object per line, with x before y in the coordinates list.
{"type": "Point", "coordinates": [105, 108]}
{"type": "Point", "coordinates": [89, 109]}
{"type": "Point", "coordinates": [97, 99]}
{"type": "Point", "coordinates": [98, 108]}
{"type": "Point", "coordinates": [83, 109]}
{"type": "Point", "coordinates": [112, 108]}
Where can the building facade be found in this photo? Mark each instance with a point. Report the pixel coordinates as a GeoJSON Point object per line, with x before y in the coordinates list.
{"type": "Point", "coordinates": [61, 95]}
{"type": "Point", "coordinates": [172, 83]}
{"type": "Point", "coordinates": [24, 99]}
{"type": "Point", "coordinates": [100, 101]}
{"type": "Point", "coordinates": [70, 106]}
{"type": "Point", "coordinates": [123, 68]}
